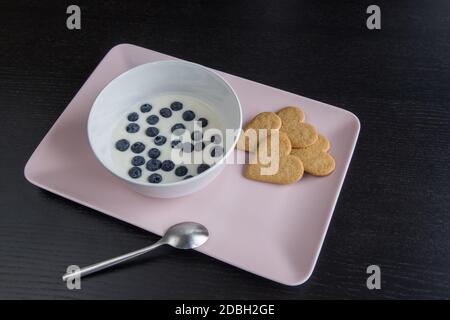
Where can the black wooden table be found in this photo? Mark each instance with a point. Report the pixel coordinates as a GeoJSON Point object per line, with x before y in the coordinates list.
{"type": "Point", "coordinates": [393, 210]}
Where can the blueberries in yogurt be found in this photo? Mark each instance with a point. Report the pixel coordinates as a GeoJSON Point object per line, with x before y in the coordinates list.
{"type": "Point", "coordinates": [188, 115]}
{"type": "Point", "coordinates": [153, 119]}
{"type": "Point", "coordinates": [196, 135]}
{"type": "Point", "coordinates": [199, 146]}
{"type": "Point", "coordinates": [165, 112]}
{"type": "Point", "coordinates": [155, 178]}
{"type": "Point", "coordinates": [133, 116]}
{"type": "Point", "coordinates": [202, 168]}
{"type": "Point", "coordinates": [176, 106]}
{"type": "Point", "coordinates": [216, 138]}
{"type": "Point", "coordinates": [203, 122]}
{"type": "Point", "coordinates": [137, 161]}
{"type": "Point", "coordinates": [175, 144]}
{"type": "Point", "coordinates": [178, 129]}
{"type": "Point", "coordinates": [146, 108]}
{"type": "Point", "coordinates": [216, 151]}
{"type": "Point", "coordinates": [153, 164]}
{"type": "Point", "coordinates": [137, 147]}
{"type": "Point", "coordinates": [135, 172]}
{"type": "Point", "coordinates": [148, 156]}
{"type": "Point", "coordinates": [152, 131]}
{"type": "Point", "coordinates": [187, 147]}
{"type": "Point", "coordinates": [167, 165]}
{"type": "Point", "coordinates": [132, 128]}
{"type": "Point", "coordinates": [154, 153]}
{"type": "Point", "coordinates": [122, 145]}
{"type": "Point", "coordinates": [160, 140]}
{"type": "Point", "coordinates": [181, 171]}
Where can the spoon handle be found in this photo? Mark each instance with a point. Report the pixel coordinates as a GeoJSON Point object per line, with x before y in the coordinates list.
{"type": "Point", "coordinates": [111, 262]}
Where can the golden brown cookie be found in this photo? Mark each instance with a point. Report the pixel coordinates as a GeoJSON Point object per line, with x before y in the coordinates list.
{"type": "Point", "coordinates": [283, 144]}
{"type": "Point", "coordinates": [275, 165]}
{"type": "Point", "coordinates": [290, 170]}
{"type": "Point", "coordinates": [290, 113]}
{"type": "Point", "coordinates": [264, 120]}
{"type": "Point", "coordinates": [301, 134]}
{"type": "Point", "coordinates": [315, 158]}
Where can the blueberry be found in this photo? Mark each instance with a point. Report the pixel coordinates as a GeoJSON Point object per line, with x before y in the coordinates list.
{"type": "Point", "coordinates": [178, 129]}
{"type": "Point", "coordinates": [155, 178]}
{"type": "Point", "coordinates": [165, 112]}
{"type": "Point", "coordinates": [188, 115]}
{"type": "Point", "coordinates": [153, 119]}
{"type": "Point", "coordinates": [135, 172]}
{"type": "Point", "coordinates": [216, 151]}
{"type": "Point", "coordinates": [216, 138]}
{"type": "Point", "coordinates": [187, 177]}
{"type": "Point", "coordinates": [196, 135]}
{"type": "Point", "coordinates": [203, 122]}
{"type": "Point", "coordinates": [160, 140]}
{"type": "Point", "coordinates": [137, 147]}
{"type": "Point", "coordinates": [175, 144]}
{"type": "Point", "coordinates": [187, 147]}
{"type": "Point", "coordinates": [152, 131]}
{"type": "Point", "coordinates": [176, 106]}
{"type": "Point", "coordinates": [167, 165]}
{"type": "Point", "coordinates": [154, 153]}
{"type": "Point", "coordinates": [146, 108]}
{"type": "Point", "coordinates": [199, 146]}
{"type": "Point", "coordinates": [181, 171]}
{"type": "Point", "coordinates": [203, 167]}
{"type": "Point", "coordinates": [132, 128]}
{"type": "Point", "coordinates": [153, 164]}
{"type": "Point", "coordinates": [122, 145]}
{"type": "Point", "coordinates": [137, 161]}
{"type": "Point", "coordinates": [133, 116]}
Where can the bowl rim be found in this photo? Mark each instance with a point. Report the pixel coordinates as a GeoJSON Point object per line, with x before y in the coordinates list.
{"type": "Point", "coordinates": [175, 183]}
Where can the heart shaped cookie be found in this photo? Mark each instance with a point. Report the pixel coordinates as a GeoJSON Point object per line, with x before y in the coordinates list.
{"type": "Point", "coordinates": [273, 162]}
{"type": "Point", "coordinates": [316, 160]}
{"type": "Point", "coordinates": [248, 141]}
{"type": "Point", "coordinates": [290, 170]}
{"type": "Point", "coordinates": [282, 144]}
{"type": "Point", "coordinates": [301, 134]}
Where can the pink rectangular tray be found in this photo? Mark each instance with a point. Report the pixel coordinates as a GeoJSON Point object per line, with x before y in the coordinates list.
{"type": "Point", "coordinates": [270, 230]}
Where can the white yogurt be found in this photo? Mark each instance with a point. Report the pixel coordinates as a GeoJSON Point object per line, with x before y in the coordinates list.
{"type": "Point", "coordinates": [122, 159]}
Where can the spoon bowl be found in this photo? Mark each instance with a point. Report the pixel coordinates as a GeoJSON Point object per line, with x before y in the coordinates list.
{"type": "Point", "coordinates": [186, 235]}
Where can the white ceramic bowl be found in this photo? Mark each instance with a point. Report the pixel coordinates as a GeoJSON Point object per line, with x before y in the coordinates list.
{"type": "Point", "coordinates": [153, 79]}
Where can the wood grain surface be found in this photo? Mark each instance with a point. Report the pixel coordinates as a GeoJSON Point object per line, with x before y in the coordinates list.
{"type": "Point", "coordinates": [394, 208]}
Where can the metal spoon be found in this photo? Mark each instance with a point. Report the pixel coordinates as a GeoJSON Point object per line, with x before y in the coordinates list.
{"type": "Point", "coordinates": [185, 235]}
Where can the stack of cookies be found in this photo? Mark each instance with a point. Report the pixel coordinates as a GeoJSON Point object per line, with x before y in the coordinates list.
{"type": "Point", "coordinates": [299, 147]}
